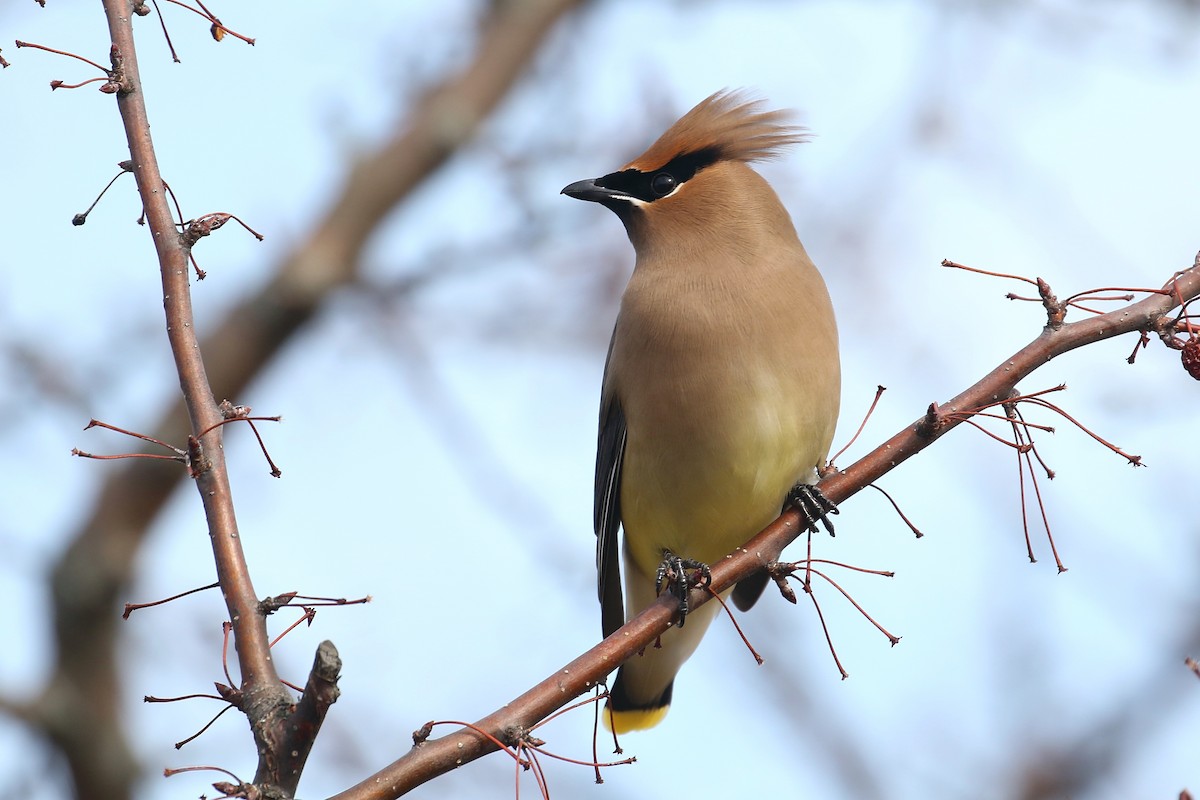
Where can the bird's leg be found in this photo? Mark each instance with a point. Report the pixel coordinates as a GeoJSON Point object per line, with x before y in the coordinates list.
{"type": "Point", "coordinates": [813, 505]}
{"type": "Point", "coordinates": [673, 572]}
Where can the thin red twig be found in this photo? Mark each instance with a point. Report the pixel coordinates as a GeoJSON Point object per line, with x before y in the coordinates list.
{"type": "Point", "coordinates": [179, 745]}
{"type": "Point", "coordinates": [825, 629]}
{"type": "Point", "coordinates": [955, 265]}
{"type": "Point", "coordinates": [131, 607]}
{"type": "Point", "coordinates": [879, 390]}
{"type": "Point", "coordinates": [736, 626]}
{"type": "Point", "coordinates": [916, 531]}
{"type": "Point", "coordinates": [63, 53]}
{"type": "Point", "coordinates": [891, 638]}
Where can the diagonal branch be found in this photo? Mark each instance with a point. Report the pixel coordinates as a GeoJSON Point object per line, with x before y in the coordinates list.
{"type": "Point", "coordinates": [434, 757]}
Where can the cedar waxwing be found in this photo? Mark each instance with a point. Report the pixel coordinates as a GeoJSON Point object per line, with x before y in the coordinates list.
{"type": "Point", "coordinates": [722, 384]}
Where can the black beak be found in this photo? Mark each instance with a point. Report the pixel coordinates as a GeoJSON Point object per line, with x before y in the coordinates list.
{"type": "Point", "coordinates": [589, 190]}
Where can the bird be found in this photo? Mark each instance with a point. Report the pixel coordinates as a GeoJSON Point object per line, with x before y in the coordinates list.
{"type": "Point", "coordinates": [722, 382]}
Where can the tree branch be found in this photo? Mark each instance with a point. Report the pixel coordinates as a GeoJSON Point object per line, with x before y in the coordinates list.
{"type": "Point", "coordinates": [263, 697]}
{"type": "Point", "coordinates": [79, 707]}
{"type": "Point", "coordinates": [434, 757]}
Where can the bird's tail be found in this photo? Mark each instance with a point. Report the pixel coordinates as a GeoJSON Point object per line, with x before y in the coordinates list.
{"type": "Point", "coordinates": [623, 713]}
{"type": "Point", "coordinates": [641, 693]}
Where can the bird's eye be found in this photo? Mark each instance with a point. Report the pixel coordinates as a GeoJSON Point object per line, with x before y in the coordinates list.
{"type": "Point", "coordinates": [663, 184]}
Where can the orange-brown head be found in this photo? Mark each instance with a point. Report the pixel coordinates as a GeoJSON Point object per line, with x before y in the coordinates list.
{"type": "Point", "coordinates": [694, 179]}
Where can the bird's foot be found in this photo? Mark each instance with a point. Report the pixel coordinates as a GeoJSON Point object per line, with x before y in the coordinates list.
{"type": "Point", "coordinates": [673, 575]}
{"type": "Point", "coordinates": [813, 505]}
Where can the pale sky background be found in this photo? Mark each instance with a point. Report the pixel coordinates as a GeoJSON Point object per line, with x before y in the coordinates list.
{"type": "Point", "coordinates": [437, 452]}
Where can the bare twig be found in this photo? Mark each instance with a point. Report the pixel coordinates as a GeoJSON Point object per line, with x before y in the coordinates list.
{"type": "Point", "coordinates": [879, 390]}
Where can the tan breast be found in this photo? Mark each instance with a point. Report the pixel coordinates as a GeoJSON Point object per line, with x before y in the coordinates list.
{"type": "Point", "coordinates": [730, 393]}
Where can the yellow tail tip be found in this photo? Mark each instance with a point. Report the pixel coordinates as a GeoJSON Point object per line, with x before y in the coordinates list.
{"type": "Point", "coordinates": [633, 719]}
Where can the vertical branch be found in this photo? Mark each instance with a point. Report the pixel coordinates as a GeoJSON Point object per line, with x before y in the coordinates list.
{"type": "Point", "coordinates": [261, 688]}
{"type": "Point", "coordinates": [80, 707]}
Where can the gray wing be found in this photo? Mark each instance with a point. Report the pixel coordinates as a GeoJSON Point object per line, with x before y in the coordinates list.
{"type": "Point", "coordinates": [610, 451]}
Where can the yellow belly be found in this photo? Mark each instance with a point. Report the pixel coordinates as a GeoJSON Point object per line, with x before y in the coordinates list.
{"type": "Point", "coordinates": [700, 490]}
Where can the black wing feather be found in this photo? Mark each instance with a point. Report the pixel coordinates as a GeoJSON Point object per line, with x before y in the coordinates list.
{"type": "Point", "coordinates": [610, 452]}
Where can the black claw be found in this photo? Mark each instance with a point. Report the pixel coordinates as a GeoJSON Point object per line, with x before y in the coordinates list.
{"type": "Point", "coordinates": [673, 575]}
{"type": "Point", "coordinates": [813, 505]}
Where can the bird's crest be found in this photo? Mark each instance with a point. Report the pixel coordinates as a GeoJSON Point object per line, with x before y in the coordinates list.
{"type": "Point", "coordinates": [727, 125]}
